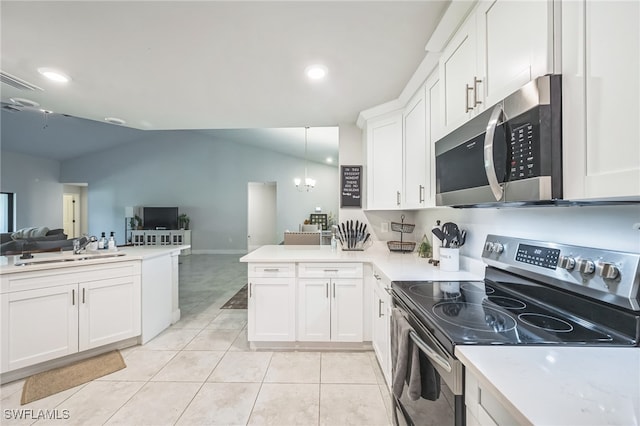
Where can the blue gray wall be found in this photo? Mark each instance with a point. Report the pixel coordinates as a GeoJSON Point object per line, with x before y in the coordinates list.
{"type": "Point", "coordinates": [207, 179]}
{"type": "Point", "coordinates": [36, 183]}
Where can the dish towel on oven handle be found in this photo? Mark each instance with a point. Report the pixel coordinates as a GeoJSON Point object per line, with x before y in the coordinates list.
{"type": "Point", "coordinates": [411, 365]}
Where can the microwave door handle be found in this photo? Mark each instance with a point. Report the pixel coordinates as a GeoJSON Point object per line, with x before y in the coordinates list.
{"type": "Point", "coordinates": [489, 165]}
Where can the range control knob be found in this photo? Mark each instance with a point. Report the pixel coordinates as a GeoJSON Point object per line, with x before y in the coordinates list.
{"type": "Point", "coordinates": [586, 266]}
{"type": "Point", "coordinates": [488, 246]}
{"type": "Point", "coordinates": [567, 262]}
{"type": "Point", "coordinates": [498, 248]}
{"type": "Point", "coordinates": [608, 270]}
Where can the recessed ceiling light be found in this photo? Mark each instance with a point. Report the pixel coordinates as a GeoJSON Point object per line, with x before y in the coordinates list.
{"type": "Point", "coordinates": [24, 102]}
{"type": "Point", "coordinates": [54, 75]}
{"type": "Point", "coordinates": [329, 160]}
{"type": "Point", "coordinates": [316, 72]}
{"type": "Point", "coordinates": [115, 120]}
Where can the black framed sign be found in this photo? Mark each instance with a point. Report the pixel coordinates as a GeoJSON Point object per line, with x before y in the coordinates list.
{"type": "Point", "coordinates": [350, 186]}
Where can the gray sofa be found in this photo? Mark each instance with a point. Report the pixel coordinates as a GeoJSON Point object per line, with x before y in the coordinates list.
{"type": "Point", "coordinates": [34, 240]}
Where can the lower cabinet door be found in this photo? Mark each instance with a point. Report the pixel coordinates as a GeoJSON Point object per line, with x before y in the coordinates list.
{"type": "Point", "coordinates": [381, 331]}
{"type": "Point", "coordinates": [271, 309]}
{"type": "Point", "coordinates": [314, 310]}
{"type": "Point", "coordinates": [346, 310]}
{"type": "Point", "coordinates": [39, 325]}
{"type": "Point", "coordinates": [109, 311]}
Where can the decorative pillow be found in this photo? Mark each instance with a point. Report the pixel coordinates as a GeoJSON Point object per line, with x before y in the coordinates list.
{"type": "Point", "coordinates": [32, 232]}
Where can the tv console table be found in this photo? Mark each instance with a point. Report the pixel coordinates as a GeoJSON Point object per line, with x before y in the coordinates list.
{"type": "Point", "coordinates": [163, 237]}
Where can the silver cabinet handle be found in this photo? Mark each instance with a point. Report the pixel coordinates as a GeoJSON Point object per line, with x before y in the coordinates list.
{"type": "Point", "coordinates": [421, 194]}
{"type": "Point", "coordinates": [250, 285]}
{"type": "Point", "coordinates": [476, 81]}
{"type": "Point", "coordinates": [73, 297]}
{"type": "Point", "coordinates": [334, 290]}
{"type": "Point", "coordinates": [380, 314]}
{"type": "Point", "coordinates": [377, 277]}
{"type": "Point", "coordinates": [271, 269]}
{"type": "Point", "coordinates": [467, 108]}
{"type": "Point", "coordinates": [430, 352]}
{"type": "Point", "coordinates": [83, 297]}
{"type": "Point", "coordinates": [489, 166]}
{"type": "Point", "coordinates": [398, 197]}
{"type": "Point", "coordinates": [331, 270]}
{"type": "Point", "coordinates": [327, 289]}
{"type": "Point", "coordinates": [388, 290]}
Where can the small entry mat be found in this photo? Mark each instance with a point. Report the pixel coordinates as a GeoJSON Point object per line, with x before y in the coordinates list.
{"type": "Point", "coordinates": [47, 383]}
{"type": "Point", "coordinates": [238, 301]}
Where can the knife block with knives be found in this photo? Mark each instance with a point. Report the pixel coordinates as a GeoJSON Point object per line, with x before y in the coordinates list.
{"type": "Point", "coordinates": [352, 237]}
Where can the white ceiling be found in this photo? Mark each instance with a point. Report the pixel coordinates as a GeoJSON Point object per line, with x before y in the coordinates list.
{"type": "Point", "coordinates": [163, 65]}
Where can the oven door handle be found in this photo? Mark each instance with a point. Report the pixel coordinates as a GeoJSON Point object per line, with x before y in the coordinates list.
{"type": "Point", "coordinates": [435, 357]}
{"type": "Point", "coordinates": [489, 165]}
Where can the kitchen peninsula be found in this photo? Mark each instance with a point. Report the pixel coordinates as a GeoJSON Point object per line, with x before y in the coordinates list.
{"type": "Point", "coordinates": [60, 307]}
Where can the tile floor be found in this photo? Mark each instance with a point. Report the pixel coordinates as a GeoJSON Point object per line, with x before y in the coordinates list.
{"type": "Point", "coordinates": [200, 371]}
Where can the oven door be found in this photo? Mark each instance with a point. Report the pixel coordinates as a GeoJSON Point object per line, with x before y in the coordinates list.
{"type": "Point", "coordinates": [449, 408]}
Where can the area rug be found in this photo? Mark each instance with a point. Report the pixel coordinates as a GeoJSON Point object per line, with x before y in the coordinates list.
{"type": "Point", "coordinates": [238, 301]}
{"type": "Point", "coordinates": [59, 379]}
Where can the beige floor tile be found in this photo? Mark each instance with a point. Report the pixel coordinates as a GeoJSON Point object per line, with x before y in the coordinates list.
{"type": "Point", "coordinates": [160, 403]}
{"type": "Point", "coordinates": [286, 404]}
{"type": "Point", "coordinates": [241, 343]}
{"type": "Point", "coordinates": [386, 398]}
{"type": "Point", "coordinates": [96, 402]}
{"type": "Point", "coordinates": [142, 365]}
{"type": "Point", "coordinates": [24, 414]}
{"type": "Point", "coordinates": [189, 366]}
{"type": "Point", "coordinates": [241, 367]}
{"type": "Point", "coordinates": [347, 367]}
{"type": "Point", "coordinates": [342, 404]}
{"type": "Point", "coordinates": [294, 367]}
{"type": "Point", "coordinates": [221, 404]}
{"type": "Point", "coordinates": [10, 388]}
{"type": "Point", "coordinates": [376, 368]}
{"type": "Point", "coordinates": [172, 339]}
{"type": "Point", "coordinates": [228, 321]}
{"type": "Point", "coordinates": [212, 340]}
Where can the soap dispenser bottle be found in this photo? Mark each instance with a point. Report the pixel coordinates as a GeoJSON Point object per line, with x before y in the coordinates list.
{"type": "Point", "coordinates": [112, 242]}
{"type": "Point", "coordinates": [102, 242]}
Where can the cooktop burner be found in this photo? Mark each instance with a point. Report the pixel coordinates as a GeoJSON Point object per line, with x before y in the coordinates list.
{"type": "Point", "coordinates": [474, 316]}
{"type": "Point", "coordinates": [507, 302]}
{"type": "Point", "coordinates": [546, 322]}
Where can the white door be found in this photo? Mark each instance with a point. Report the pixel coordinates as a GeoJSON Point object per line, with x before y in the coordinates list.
{"type": "Point", "coordinates": [314, 309]}
{"type": "Point", "coordinates": [346, 310]}
{"type": "Point", "coordinates": [261, 214]}
{"type": "Point", "coordinates": [271, 310]}
{"type": "Point", "coordinates": [71, 215]}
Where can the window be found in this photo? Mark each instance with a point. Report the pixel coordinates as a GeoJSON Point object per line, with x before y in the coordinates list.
{"type": "Point", "coordinates": [7, 212]}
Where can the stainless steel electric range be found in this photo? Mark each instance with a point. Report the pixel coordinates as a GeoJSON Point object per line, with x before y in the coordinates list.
{"type": "Point", "coordinates": [534, 293]}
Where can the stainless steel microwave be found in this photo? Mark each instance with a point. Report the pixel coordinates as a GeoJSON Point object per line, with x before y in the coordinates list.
{"type": "Point", "coordinates": [511, 152]}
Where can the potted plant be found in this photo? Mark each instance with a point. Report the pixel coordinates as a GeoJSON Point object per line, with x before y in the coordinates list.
{"type": "Point", "coordinates": [183, 221]}
{"type": "Point", "coordinates": [135, 222]}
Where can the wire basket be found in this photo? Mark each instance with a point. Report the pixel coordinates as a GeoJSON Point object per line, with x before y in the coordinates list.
{"type": "Point", "coordinates": [401, 246]}
{"type": "Point", "coordinates": [405, 228]}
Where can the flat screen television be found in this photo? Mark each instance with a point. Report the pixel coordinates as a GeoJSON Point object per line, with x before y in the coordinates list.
{"type": "Point", "coordinates": [160, 217]}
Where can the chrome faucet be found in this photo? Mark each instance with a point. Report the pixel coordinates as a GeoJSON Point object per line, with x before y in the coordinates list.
{"type": "Point", "coordinates": [81, 243]}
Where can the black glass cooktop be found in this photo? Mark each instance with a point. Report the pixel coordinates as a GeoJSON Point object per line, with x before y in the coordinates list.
{"type": "Point", "coordinates": [511, 313]}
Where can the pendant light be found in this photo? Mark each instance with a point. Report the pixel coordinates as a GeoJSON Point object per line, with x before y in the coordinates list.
{"type": "Point", "coordinates": [309, 183]}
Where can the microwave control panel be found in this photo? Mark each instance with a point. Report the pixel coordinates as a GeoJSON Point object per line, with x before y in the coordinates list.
{"type": "Point", "coordinates": [523, 153]}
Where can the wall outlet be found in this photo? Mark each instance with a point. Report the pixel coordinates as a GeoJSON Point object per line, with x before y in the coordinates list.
{"type": "Point", "coordinates": [384, 226]}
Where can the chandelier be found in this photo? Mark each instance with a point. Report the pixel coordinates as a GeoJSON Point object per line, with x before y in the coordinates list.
{"type": "Point", "coordinates": [309, 183]}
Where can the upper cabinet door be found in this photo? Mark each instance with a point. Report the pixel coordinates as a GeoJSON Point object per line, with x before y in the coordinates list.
{"type": "Point", "coordinates": [384, 162]}
{"type": "Point", "coordinates": [416, 152]}
{"type": "Point", "coordinates": [601, 99]}
{"type": "Point", "coordinates": [515, 45]}
{"type": "Point", "coordinates": [458, 77]}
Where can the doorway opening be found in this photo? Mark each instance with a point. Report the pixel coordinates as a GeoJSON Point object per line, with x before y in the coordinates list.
{"type": "Point", "coordinates": [74, 210]}
{"type": "Point", "coordinates": [261, 214]}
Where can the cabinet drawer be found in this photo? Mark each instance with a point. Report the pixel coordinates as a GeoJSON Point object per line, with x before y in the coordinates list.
{"type": "Point", "coordinates": [330, 270]}
{"type": "Point", "coordinates": [273, 270]}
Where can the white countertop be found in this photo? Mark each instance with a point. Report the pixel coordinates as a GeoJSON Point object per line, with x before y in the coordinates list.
{"type": "Point", "coordinates": [396, 266]}
{"type": "Point", "coordinates": [8, 266]}
{"type": "Point", "coordinates": [560, 385]}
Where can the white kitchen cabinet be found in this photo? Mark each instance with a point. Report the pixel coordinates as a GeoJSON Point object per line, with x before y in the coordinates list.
{"type": "Point", "coordinates": [601, 99]}
{"type": "Point", "coordinates": [168, 237]}
{"type": "Point", "coordinates": [271, 305]}
{"type": "Point", "coordinates": [416, 153]}
{"type": "Point", "coordinates": [47, 315]}
{"type": "Point", "coordinates": [381, 333]}
{"type": "Point", "coordinates": [384, 162]}
{"type": "Point", "coordinates": [501, 46]}
{"type": "Point", "coordinates": [483, 406]}
{"type": "Point", "coordinates": [330, 307]}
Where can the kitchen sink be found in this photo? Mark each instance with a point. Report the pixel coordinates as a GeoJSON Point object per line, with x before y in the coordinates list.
{"type": "Point", "coordinates": [61, 258]}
